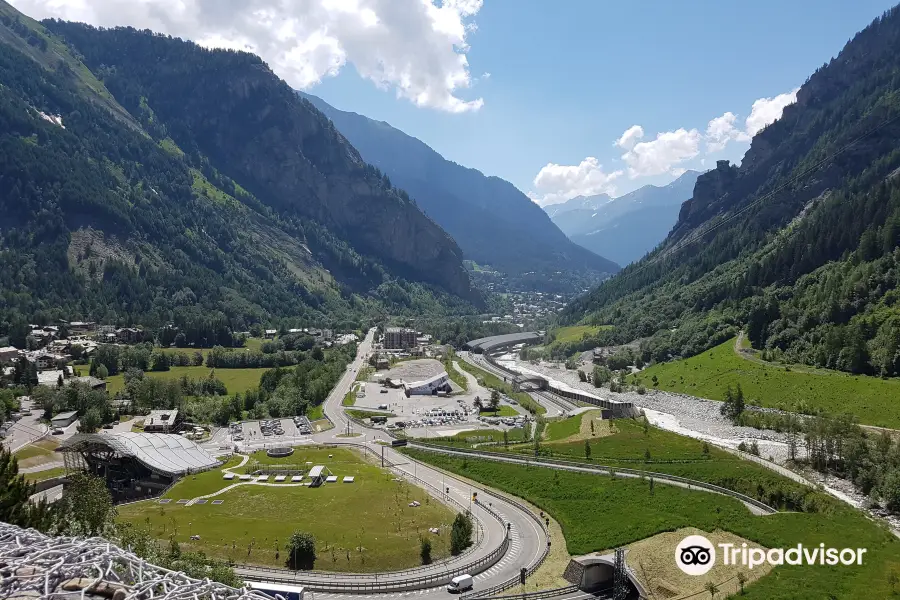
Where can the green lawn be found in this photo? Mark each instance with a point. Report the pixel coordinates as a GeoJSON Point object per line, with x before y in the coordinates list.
{"type": "Point", "coordinates": [253, 343]}
{"type": "Point", "coordinates": [201, 484]}
{"type": "Point", "coordinates": [673, 454]}
{"type": "Point", "coordinates": [480, 436]}
{"type": "Point", "coordinates": [574, 333]}
{"type": "Point", "coordinates": [236, 380]}
{"type": "Point", "coordinates": [254, 522]}
{"type": "Point", "coordinates": [314, 413]}
{"type": "Point", "coordinates": [708, 375]}
{"type": "Point", "coordinates": [457, 377]}
{"type": "Point", "coordinates": [365, 414]}
{"type": "Point", "coordinates": [38, 453]}
{"type": "Point", "coordinates": [560, 430]}
{"type": "Point", "coordinates": [250, 344]}
{"type": "Point", "coordinates": [597, 513]}
{"type": "Point", "coordinates": [502, 411]}
{"type": "Point", "coordinates": [350, 397]}
{"type": "Point", "coordinates": [47, 474]}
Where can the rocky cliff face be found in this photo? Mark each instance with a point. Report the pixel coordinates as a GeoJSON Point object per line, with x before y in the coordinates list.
{"type": "Point", "coordinates": [710, 197]}
{"type": "Point", "coordinates": [230, 107]}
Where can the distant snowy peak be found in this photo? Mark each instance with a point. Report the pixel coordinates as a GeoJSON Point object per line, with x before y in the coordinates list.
{"type": "Point", "coordinates": [577, 203]}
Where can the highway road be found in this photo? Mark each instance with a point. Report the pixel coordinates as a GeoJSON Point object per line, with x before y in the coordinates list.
{"type": "Point", "coordinates": [553, 405]}
{"type": "Point", "coordinates": [528, 539]}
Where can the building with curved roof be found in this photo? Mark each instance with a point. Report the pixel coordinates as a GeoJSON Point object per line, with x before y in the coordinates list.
{"type": "Point", "coordinates": [493, 342]}
{"type": "Point", "coordinates": [135, 464]}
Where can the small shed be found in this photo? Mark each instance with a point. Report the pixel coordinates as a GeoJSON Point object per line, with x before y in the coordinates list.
{"type": "Point", "coordinates": [64, 419]}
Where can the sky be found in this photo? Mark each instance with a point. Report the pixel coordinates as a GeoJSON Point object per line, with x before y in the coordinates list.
{"type": "Point", "coordinates": [563, 98]}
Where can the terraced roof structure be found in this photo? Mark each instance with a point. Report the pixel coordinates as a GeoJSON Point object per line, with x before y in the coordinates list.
{"type": "Point", "coordinates": [486, 344]}
{"type": "Point", "coordinates": [167, 454]}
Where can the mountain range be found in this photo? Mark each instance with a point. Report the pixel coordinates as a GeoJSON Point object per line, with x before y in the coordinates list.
{"type": "Point", "coordinates": [493, 222]}
{"type": "Point", "coordinates": [149, 180]}
{"type": "Point", "coordinates": [625, 228]}
{"type": "Point", "coordinates": [799, 246]}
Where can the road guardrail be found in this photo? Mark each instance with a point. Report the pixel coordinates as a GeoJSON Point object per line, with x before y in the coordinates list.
{"type": "Point", "coordinates": [604, 469]}
{"type": "Point", "coordinates": [395, 581]}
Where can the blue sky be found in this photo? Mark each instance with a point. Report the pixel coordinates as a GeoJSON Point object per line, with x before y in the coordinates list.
{"type": "Point", "coordinates": [536, 92]}
{"type": "Point", "coordinates": [568, 78]}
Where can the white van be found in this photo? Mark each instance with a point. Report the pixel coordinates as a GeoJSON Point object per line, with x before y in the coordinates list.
{"type": "Point", "coordinates": [460, 583]}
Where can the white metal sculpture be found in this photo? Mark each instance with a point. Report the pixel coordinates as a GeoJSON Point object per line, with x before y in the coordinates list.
{"type": "Point", "coordinates": [35, 565]}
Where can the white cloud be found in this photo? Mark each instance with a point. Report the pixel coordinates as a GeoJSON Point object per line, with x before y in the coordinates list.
{"type": "Point", "coordinates": [721, 130]}
{"type": "Point", "coordinates": [659, 156]}
{"type": "Point", "coordinates": [558, 183]}
{"type": "Point", "coordinates": [766, 111]}
{"type": "Point", "coordinates": [413, 46]}
{"type": "Point", "coordinates": [631, 137]}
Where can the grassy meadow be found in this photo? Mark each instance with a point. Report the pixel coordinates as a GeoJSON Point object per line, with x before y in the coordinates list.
{"type": "Point", "coordinates": [236, 380]}
{"type": "Point", "coordinates": [364, 526]}
{"type": "Point", "coordinates": [598, 513]}
{"type": "Point", "coordinates": [871, 399]}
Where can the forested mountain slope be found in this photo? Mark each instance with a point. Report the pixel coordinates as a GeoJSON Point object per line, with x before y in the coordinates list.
{"type": "Point", "coordinates": [166, 182]}
{"type": "Point", "coordinates": [799, 245]}
{"type": "Point", "coordinates": [493, 222]}
{"type": "Point", "coordinates": [626, 228]}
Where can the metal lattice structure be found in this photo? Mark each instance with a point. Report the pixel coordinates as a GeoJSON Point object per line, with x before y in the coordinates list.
{"type": "Point", "coordinates": [38, 566]}
{"type": "Point", "coordinates": [620, 576]}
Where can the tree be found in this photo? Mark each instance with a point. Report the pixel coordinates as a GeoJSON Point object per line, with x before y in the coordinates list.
{"type": "Point", "coordinates": [301, 550]}
{"type": "Point", "coordinates": [890, 490]}
{"type": "Point", "coordinates": [494, 406]}
{"type": "Point", "coordinates": [461, 533]}
{"type": "Point", "coordinates": [742, 579]}
{"type": "Point", "coordinates": [86, 507]}
{"type": "Point", "coordinates": [479, 405]}
{"type": "Point", "coordinates": [90, 421]}
{"type": "Point", "coordinates": [587, 449]}
{"type": "Point", "coordinates": [102, 372]}
{"type": "Point", "coordinates": [425, 551]}
{"type": "Point", "coordinates": [14, 492]}
{"type": "Point", "coordinates": [600, 376]}
{"type": "Point", "coordinates": [712, 588]}
{"type": "Point", "coordinates": [734, 404]}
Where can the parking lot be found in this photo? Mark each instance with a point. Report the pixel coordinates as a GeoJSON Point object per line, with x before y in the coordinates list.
{"type": "Point", "coordinates": [429, 416]}
{"type": "Point", "coordinates": [270, 430]}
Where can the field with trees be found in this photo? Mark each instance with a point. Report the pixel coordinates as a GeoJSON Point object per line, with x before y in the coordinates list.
{"type": "Point", "coordinates": [798, 389]}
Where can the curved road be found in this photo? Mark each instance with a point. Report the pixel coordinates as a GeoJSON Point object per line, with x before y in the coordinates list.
{"type": "Point", "coordinates": [528, 540]}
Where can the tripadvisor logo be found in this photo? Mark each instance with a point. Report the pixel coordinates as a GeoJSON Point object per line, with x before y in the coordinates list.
{"type": "Point", "coordinates": [696, 555]}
